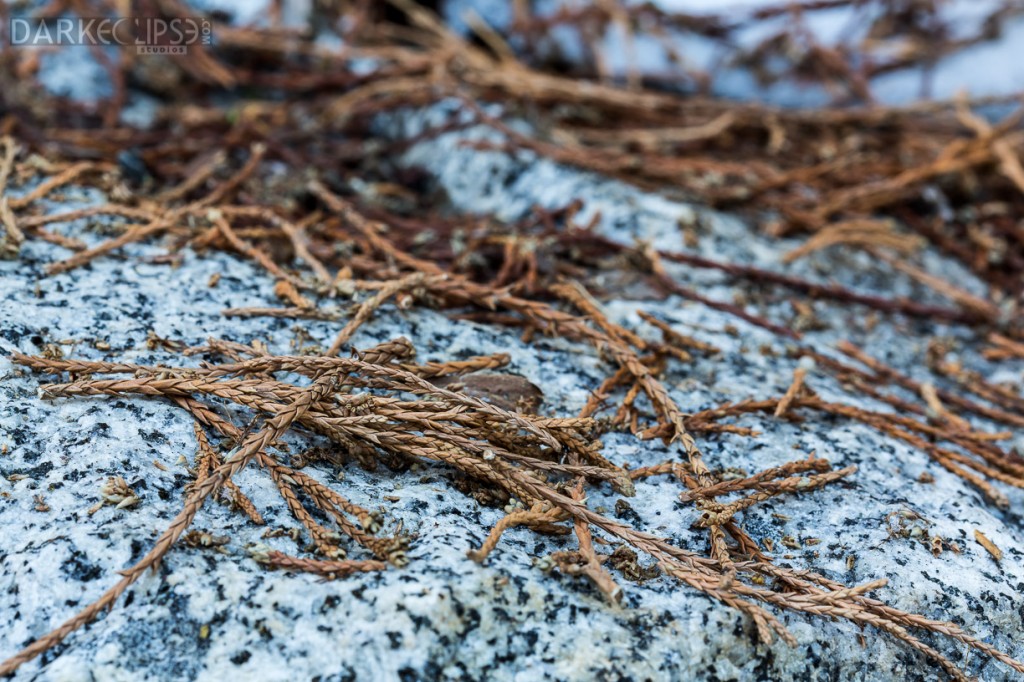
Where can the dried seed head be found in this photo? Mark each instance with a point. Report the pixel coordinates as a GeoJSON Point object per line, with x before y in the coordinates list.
{"type": "Point", "coordinates": [707, 519]}
{"type": "Point", "coordinates": [260, 553]}
{"type": "Point", "coordinates": [404, 300]}
{"type": "Point", "coordinates": [115, 490]}
{"type": "Point", "coordinates": [514, 505]}
{"type": "Point", "coordinates": [624, 486]}
{"type": "Point", "coordinates": [371, 523]}
{"type": "Point", "coordinates": [130, 501]}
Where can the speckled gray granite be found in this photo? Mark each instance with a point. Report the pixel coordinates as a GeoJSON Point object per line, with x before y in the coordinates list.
{"type": "Point", "coordinates": [220, 616]}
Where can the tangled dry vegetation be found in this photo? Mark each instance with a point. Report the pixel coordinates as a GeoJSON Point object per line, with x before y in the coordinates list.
{"type": "Point", "coordinates": [873, 178]}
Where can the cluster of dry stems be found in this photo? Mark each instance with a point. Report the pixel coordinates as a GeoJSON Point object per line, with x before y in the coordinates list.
{"type": "Point", "coordinates": [828, 173]}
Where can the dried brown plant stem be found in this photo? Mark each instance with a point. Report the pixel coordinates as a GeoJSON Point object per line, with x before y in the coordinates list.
{"type": "Point", "coordinates": [676, 338]}
{"type": "Point", "coordinates": [195, 179]}
{"type": "Point", "coordinates": [328, 569]}
{"type": "Point", "coordinates": [666, 282]}
{"type": "Point", "coordinates": [1002, 469]}
{"type": "Point", "coordinates": [430, 370]}
{"type": "Point", "coordinates": [540, 517]}
{"type": "Point", "coordinates": [906, 382]}
{"type": "Point", "coordinates": [762, 478]}
{"type": "Point", "coordinates": [252, 252]}
{"type": "Point", "coordinates": [1003, 348]}
{"type": "Point", "coordinates": [325, 498]}
{"type": "Point", "coordinates": [983, 309]}
{"type": "Point", "coordinates": [872, 233]}
{"type": "Point", "coordinates": [575, 293]}
{"type": "Point", "coordinates": [11, 237]}
{"type": "Point", "coordinates": [207, 461]}
{"type": "Point", "coordinates": [590, 566]}
{"type": "Point", "coordinates": [69, 243]}
{"type": "Point", "coordinates": [298, 239]}
{"type": "Point", "coordinates": [768, 490]}
{"type": "Point", "coordinates": [135, 214]}
{"type": "Point", "coordinates": [974, 382]}
{"type": "Point", "coordinates": [322, 538]}
{"type": "Point", "coordinates": [228, 187]}
{"type": "Point", "coordinates": [11, 150]}
{"type": "Point", "coordinates": [828, 291]}
{"type": "Point", "coordinates": [366, 309]}
{"type": "Point", "coordinates": [294, 233]}
{"type": "Point", "coordinates": [669, 411]}
{"type": "Point", "coordinates": [931, 398]}
{"type": "Point", "coordinates": [62, 178]}
{"type": "Point", "coordinates": [799, 374]}
{"type": "Point", "coordinates": [134, 233]}
{"type": "Point", "coordinates": [1009, 162]}
{"type": "Point", "coordinates": [387, 352]}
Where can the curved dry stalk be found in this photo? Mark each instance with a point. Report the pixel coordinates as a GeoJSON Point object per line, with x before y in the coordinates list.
{"type": "Point", "coordinates": [327, 569]}
{"type": "Point", "coordinates": [365, 310]}
{"type": "Point", "coordinates": [538, 518]}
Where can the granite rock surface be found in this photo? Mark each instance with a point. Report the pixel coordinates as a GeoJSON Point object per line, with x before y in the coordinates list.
{"type": "Point", "coordinates": [219, 615]}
